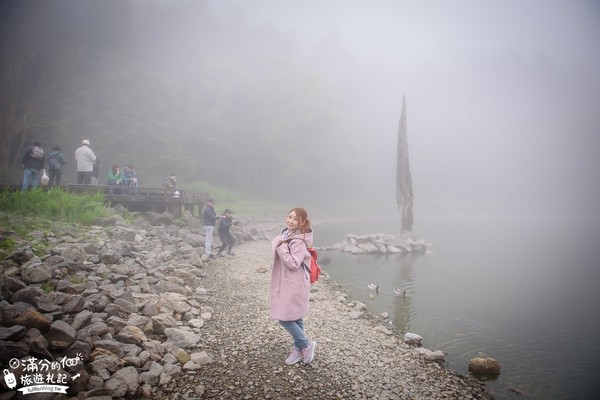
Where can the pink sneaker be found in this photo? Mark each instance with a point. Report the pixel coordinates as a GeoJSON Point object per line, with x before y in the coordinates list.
{"type": "Point", "coordinates": [308, 352]}
{"type": "Point", "coordinates": [294, 357]}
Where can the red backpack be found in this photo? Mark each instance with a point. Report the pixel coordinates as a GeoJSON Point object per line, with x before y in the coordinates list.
{"type": "Point", "coordinates": [314, 270]}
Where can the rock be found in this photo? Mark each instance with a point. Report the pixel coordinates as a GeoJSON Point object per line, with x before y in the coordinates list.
{"type": "Point", "coordinates": [31, 318]}
{"type": "Point", "coordinates": [413, 339]}
{"type": "Point", "coordinates": [152, 376]}
{"type": "Point", "coordinates": [196, 259]}
{"type": "Point", "coordinates": [129, 375]}
{"type": "Point", "coordinates": [181, 337]}
{"type": "Point", "coordinates": [9, 350]}
{"type": "Point", "coordinates": [429, 355]}
{"type": "Point", "coordinates": [110, 257]}
{"type": "Point", "coordinates": [35, 274]}
{"type": "Point", "coordinates": [181, 355]}
{"type": "Point", "coordinates": [131, 334]}
{"type": "Point", "coordinates": [383, 329]}
{"type": "Point", "coordinates": [380, 244]}
{"type": "Point", "coordinates": [484, 366]}
{"type": "Point", "coordinates": [196, 323]}
{"type": "Point", "coordinates": [201, 358]}
{"type": "Point", "coordinates": [13, 334]}
{"type": "Point", "coordinates": [27, 295]}
{"type": "Point", "coordinates": [60, 336]}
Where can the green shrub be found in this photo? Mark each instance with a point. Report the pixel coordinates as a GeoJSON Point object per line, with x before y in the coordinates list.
{"type": "Point", "coordinates": [47, 287]}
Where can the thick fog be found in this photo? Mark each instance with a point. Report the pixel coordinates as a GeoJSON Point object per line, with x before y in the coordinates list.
{"type": "Point", "coordinates": [266, 95]}
{"type": "Point", "coordinates": [502, 96]}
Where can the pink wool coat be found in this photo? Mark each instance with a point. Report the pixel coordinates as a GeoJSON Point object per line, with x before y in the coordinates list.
{"type": "Point", "coordinates": [290, 284]}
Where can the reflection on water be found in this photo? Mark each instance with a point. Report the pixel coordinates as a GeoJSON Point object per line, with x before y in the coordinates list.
{"type": "Point", "coordinates": [521, 291]}
{"type": "Point", "coordinates": [388, 273]}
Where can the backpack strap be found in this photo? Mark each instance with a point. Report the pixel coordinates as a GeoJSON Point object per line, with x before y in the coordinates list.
{"type": "Point", "coordinates": [302, 263]}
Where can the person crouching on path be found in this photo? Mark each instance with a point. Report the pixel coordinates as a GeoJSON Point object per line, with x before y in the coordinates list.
{"type": "Point", "coordinates": [224, 230]}
{"type": "Point", "coordinates": [290, 284]}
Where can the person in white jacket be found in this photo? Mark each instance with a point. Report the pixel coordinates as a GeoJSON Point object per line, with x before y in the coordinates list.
{"type": "Point", "coordinates": [85, 157]}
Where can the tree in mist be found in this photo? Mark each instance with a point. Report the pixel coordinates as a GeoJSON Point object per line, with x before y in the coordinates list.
{"type": "Point", "coordinates": [37, 74]}
{"type": "Point", "coordinates": [404, 192]}
{"type": "Point", "coordinates": [167, 95]}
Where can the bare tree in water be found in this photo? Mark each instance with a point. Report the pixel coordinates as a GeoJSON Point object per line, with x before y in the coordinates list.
{"type": "Point", "coordinates": [404, 192]}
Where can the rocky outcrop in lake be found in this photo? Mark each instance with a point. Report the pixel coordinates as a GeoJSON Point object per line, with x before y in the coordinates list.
{"type": "Point", "coordinates": [380, 243]}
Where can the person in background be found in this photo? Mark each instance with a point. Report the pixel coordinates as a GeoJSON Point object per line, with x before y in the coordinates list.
{"type": "Point", "coordinates": [33, 163]}
{"type": "Point", "coordinates": [290, 283]}
{"type": "Point", "coordinates": [56, 160]}
{"type": "Point", "coordinates": [209, 219]}
{"type": "Point", "coordinates": [114, 178]}
{"type": "Point", "coordinates": [96, 171]}
{"type": "Point", "coordinates": [114, 175]}
{"type": "Point", "coordinates": [170, 182]}
{"type": "Point", "coordinates": [85, 158]}
{"type": "Point", "coordinates": [224, 230]}
{"type": "Point", "coordinates": [129, 177]}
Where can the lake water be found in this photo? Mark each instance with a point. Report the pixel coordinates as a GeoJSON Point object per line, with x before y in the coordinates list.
{"type": "Point", "coordinates": [522, 290]}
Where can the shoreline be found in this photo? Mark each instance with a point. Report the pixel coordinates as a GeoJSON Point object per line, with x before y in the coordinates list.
{"type": "Point", "coordinates": [355, 357]}
{"type": "Point", "coordinates": [154, 321]}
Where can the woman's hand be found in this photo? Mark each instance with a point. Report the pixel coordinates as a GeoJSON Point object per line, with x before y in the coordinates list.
{"type": "Point", "coordinates": [281, 241]}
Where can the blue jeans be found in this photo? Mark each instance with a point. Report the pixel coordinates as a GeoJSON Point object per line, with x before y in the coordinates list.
{"type": "Point", "coordinates": [30, 176]}
{"type": "Point", "coordinates": [296, 329]}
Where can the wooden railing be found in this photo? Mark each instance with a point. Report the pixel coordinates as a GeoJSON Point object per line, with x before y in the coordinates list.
{"type": "Point", "coordinates": [138, 198]}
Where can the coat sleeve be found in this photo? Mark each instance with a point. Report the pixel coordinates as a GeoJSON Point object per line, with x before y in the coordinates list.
{"type": "Point", "coordinates": [292, 253]}
{"type": "Point", "coordinates": [26, 156]}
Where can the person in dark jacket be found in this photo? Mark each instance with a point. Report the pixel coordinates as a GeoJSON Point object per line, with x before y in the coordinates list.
{"type": "Point", "coordinates": [209, 218]}
{"type": "Point", "coordinates": [170, 182]}
{"type": "Point", "coordinates": [56, 160]}
{"type": "Point", "coordinates": [225, 232]}
{"type": "Point", "coordinates": [33, 163]}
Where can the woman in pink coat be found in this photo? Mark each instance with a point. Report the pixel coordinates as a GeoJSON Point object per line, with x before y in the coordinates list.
{"type": "Point", "coordinates": [290, 285]}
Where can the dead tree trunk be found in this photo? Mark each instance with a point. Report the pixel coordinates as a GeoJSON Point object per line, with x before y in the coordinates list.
{"type": "Point", "coordinates": [404, 192]}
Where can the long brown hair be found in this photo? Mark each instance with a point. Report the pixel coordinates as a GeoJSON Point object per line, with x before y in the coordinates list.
{"type": "Point", "coordinates": [303, 221]}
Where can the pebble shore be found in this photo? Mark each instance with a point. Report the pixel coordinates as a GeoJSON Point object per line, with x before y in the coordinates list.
{"type": "Point", "coordinates": [355, 358]}
{"type": "Point", "coordinates": [152, 318]}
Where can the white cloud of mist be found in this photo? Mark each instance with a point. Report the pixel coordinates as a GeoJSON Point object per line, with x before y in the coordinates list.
{"type": "Point", "coordinates": [502, 96]}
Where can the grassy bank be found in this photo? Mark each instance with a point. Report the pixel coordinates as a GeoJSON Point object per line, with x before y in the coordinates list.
{"type": "Point", "coordinates": [54, 205]}
{"type": "Point", "coordinates": [24, 212]}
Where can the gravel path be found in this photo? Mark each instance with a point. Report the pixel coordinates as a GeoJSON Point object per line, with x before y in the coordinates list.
{"type": "Point", "coordinates": [355, 358]}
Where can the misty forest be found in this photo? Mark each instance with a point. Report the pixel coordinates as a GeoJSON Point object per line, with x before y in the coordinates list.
{"type": "Point", "coordinates": [149, 84]}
